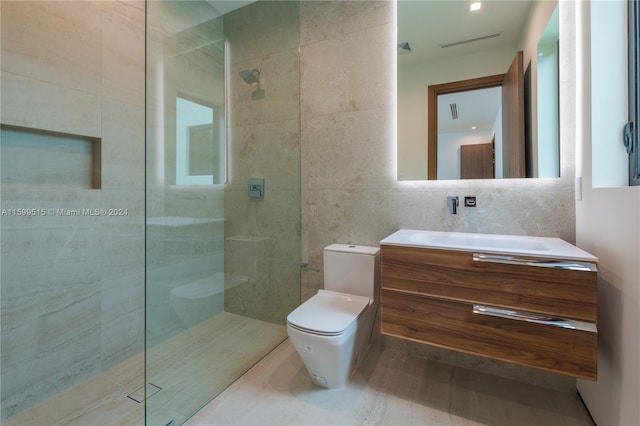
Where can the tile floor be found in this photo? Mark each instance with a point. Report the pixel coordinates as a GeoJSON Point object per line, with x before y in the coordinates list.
{"type": "Point", "coordinates": [390, 388]}
{"type": "Point", "coordinates": [190, 368]}
{"type": "Point", "coordinates": [101, 400]}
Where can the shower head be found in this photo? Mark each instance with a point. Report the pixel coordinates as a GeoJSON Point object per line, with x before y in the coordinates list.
{"type": "Point", "coordinates": [250, 76]}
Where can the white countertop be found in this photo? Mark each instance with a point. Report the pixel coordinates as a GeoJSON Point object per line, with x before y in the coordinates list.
{"type": "Point", "coordinates": [525, 246]}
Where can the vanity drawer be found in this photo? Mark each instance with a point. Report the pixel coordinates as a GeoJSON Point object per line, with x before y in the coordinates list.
{"type": "Point", "coordinates": [456, 276]}
{"type": "Point", "coordinates": [454, 325]}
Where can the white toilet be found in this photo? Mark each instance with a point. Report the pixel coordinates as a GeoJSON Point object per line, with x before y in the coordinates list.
{"type": "Point", "coordinates": [332, 330]}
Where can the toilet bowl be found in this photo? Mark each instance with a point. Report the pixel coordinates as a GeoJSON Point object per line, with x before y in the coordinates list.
{"type": "Point", "coordinates": [199, 300]}
{"type": "Point", "coordinates": [332, 330]}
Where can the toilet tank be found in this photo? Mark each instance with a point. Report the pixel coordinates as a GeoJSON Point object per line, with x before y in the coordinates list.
{"type": "Point", "coordinates": [352, 269]}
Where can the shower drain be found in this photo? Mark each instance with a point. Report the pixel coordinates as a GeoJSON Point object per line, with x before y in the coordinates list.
{"type": "Point", "coordinates": [149, 390]}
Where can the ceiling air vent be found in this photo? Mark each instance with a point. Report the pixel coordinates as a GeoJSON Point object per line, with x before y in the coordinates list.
{"type": "Point", "coordinates": [454, 111]}
{"type": "Point", "coordinates": [471, 40]}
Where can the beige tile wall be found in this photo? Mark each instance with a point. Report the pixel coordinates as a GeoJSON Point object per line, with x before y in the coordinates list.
{"type": "Point", "coordinates": [73, 287]}
{"type": "Point", "coordinates": [349, 190]}
{"type": "Point", "coordinates": [262, 237]}
{"type": "Point", "coordinates": [184, 58]}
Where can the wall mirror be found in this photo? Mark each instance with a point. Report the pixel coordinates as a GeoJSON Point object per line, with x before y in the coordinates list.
{"type": "Point", "coordinates": [477, 90]}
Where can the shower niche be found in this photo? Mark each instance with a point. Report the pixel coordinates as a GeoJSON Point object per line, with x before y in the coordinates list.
{"type": "Point", "coordinates": [41, 158]}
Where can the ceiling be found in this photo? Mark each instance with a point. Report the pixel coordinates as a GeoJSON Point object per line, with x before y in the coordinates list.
{"type": "Point", "coordinates": [474, 108]}
{"type": "Point", "coordinates": [183, 15]}
{"type": "Point", "coordinates": [427, 25]}
{"type": "Point", "coordinates": [225, 6]}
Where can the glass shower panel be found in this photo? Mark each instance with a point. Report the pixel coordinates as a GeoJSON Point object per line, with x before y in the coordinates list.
{"type": "Point", "coordinates": [72, 212]}
{"type": "Point", "coordinates": [222, 268]}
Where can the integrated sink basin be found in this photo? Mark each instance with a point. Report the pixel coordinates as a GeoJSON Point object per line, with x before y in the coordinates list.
{"type": "Point", "coordinates": [537, 247]}
{"type": "Point", "coordinates": [498, 242]}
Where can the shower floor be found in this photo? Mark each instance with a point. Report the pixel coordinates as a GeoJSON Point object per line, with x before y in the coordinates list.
{"type": "Point", "coordinates": [201, 361]}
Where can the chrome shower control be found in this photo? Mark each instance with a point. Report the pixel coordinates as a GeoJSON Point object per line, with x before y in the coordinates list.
{"type": "Point", "coordinates": [256, 188]}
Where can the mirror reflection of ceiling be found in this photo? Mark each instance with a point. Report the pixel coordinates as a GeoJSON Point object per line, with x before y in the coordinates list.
{"type": "Point", "coordinates": [474, 110]}
{"type": "Point", "coordinates": [429, 25]}
{"type": "Point", "coordinates": [182, 18]}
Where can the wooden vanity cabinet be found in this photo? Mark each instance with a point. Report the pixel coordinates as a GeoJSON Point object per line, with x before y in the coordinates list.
{"type": "Point", "coordinates": [438, 297]}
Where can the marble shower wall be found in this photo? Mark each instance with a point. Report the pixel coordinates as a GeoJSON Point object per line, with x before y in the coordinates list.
{"type": "Point", "coordinates": [349, 189]}
{"type": "Point", "coordinates": [185, 223]}
{"type": "Point", "coordinates": [72, 289]}
{"type": "Point", "coordinates": [262, 236]}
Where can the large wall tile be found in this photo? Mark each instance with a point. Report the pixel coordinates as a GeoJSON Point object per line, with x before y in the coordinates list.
{"type": "Point", "coordinates": [279, 75]}
{"type": "Point", "coordinates": [73, 284]}
{"type": "Point", "coordinates": [347, 150]}
{"type": "Point", "coordinates": [540, 210]}
{"type": "Point", "coordinates": [123, 147]}
{"type": "Point", "coordinates": [261, 150]}
{"type": "Point", "coordinates": [41, 105]}
{"type": "Point", "coordinates": [261, 27]}
{"type": "Point", "coordinates": [123, 51]}
{"type": "Point", "coordinates": [353, 72]}
{"type": "Point", "coordinates": [56, 42]}
{"type": "Point", "coordinates": [320, 20]}
{"type": "Point", "coordinates": [51, 340]}
{"type": "Point", "coordinates": [122, 337]}
{"type": "Point", "coordinates": [263, 235]}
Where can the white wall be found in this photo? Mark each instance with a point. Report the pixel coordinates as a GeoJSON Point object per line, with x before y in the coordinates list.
{"type": "Point", "coordinates": [413, 82]}
{"type": "Point", "coordinates": [497, 130]}
{"type": "Point", "coordinates": [608, 225]}
{"type": "Point", "coordinates": [547, 111]}
{"type": "Point", "coordinates": [608, 25]}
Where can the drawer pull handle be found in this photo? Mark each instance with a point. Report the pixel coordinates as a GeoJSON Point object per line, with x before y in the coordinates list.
{"type": "Point", "coordinates": [557, 264]}
{"type": "Point", "coordinates": [535, 318]}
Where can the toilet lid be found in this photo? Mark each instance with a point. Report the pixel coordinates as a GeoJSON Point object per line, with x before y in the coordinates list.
{"type": "Point", "coordinates": [328, 312]}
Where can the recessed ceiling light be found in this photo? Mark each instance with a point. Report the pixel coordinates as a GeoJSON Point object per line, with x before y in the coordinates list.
{"type": "Point", "coordinates": [476, 5]}
{"type": "Point", "coordinates": [473, 127]}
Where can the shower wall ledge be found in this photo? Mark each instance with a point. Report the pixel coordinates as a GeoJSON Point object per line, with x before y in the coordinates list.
{"type": "Point", "coordinates": [175, 221]}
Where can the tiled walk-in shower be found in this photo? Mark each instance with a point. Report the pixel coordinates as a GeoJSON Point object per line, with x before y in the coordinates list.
{"type": "Point", "coordinates": [133, 254]}
{"type": "Point", "coordinates": [221, 348]}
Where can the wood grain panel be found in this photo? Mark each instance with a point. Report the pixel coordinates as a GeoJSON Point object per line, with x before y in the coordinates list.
{"type": "Point", "coordinates": [513, 149]}
{"type": "Point", "coordinates": [453, 325]}
{"type": "Point", "coordinates": [455, 276]}
{"type": "Point", "coordinates": [477, 161]}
